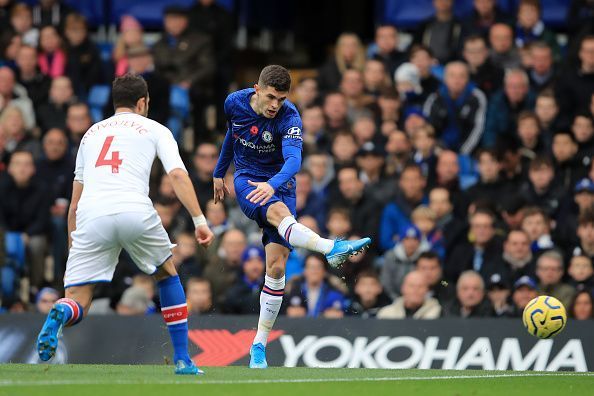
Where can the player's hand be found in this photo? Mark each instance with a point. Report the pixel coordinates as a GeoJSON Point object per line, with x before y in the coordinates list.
{"type": "Point", "coordinates": [261, 194]}
{"type": "Point", "coordinates": [204, 235]}
{"type": "Point", "coordinates": [220, 189]}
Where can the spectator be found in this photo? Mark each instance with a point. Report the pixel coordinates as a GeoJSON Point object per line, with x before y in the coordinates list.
{"type": "Point", "coordinates": [131, 35]}
{"type": "Point", "coordinates": [369, 296]}
{"type": "Point", "coordinates": [457, 110]}
{"type": "Point", "coordinates": [199, 297]}
{"type": "Point", "coordinates": [50, 12]}
{"type": "Point", "coordinates": [24, 209]}
{"type": "Point", "coordinates": [36, 83]}
{"type": "Point", "coordinates": [447, 170]}
{"type": "Point", "coordinates": [537, 225]}
{"type": "Point", "coordinates": [173, 218]}
{"type": "Point", "coordinates": [568, 169]}
{"type": "Point", "coordinates": [216, 216]}
{"type": "Point", "coordinates": [225, 268]}
{"type": "Point", "coordinates": [51, 57]}
{"type": "Point", "coordinates": [320, 166]}
{"type": "Point", "coordinates": [364, 130]}
{"type": "Point", "coordinates": [583, 131]}
{"type": "Point", "coordinates": [396, 214]}
{"type": "Point", "coordinates": [205, 160]}
{"type": "Point", "coordinates": [375, 78]}
{"type": "Point", "coordinates": [490, 187]}
{"type": "Point", "coordinates": [400, 260]}
{"type": "Point", "coordinates": [352, 86]}
{"type": "Point", "coordinates": [451, 227]}
{"type": "Point", "coordinates": [386, 48]}
{"type": "Point", "coordinates": [425, 146]}
{"type": "Point", "coordinates": [134, 302]}
{"type": "Point", "coordinates": [470, 299]}
{"type": "Point", "coordinates": [83, 64]}
{"type": "Point", "coordinates": [339, 223]}
{"type": "Point", "coordinates": [578, 203]}
{"type": "Point", "coordinates": [53, 113]}
{"type": "Point", "coordinates": [518, 259]}
{"type": "Point", "coordinates": [186, 59]}
{"type": "Point", "coordinates": [15, 134]}
{"type": "Point", "coordinates": [480, 253]}
{"type": "Point", "coordinates": [503, 53]}
{"type": "Point", "coordinates": [371, 159]}
{"type": "Point", "coordinates": [506, 104]}
{"type": "Point", "coordinates": [408, 86]}
{"type": "Point", "coordinates": [45, 300]}
{"type": "Point", "coordinates": [484, 14]}
{"type": "Point", "coordinates": [547, 111]}
{"type": "Point", "coordinates": [549, 271]}
{"type": "Point", "coordinates": [581, 307]}
{"type": "Point", "coordinates": [313, 296]}
{"type": "Point", "coordinates": [243, 297]}
{"type": "Point", "coordinates": [540, 189]}
{"type": "Point", "coordinates": [429, 265]}
{"type": "Point", "coordinates": [442, 32]}
{"type": "Point", "coordinates": [524, 291]}
{"type": "Point", "coordinates": [78, 122]}
{"type": "Point", "coordinates": [530, 27]}
{"type": "Point", "coordinates": [336, 112]}
{"type": "Point", "coordinates": [581, 273]}
{"type": "Point", "coordinates": [483, 72]}
{"type": "Point", "coordinates": [344, 148]}
{"type": "Point", "coordinates": [542, 73]}
{"type": "Point", "coordinates": [185, 259]}
{"type": "Point", "coordinates": [575, 86]}
{"type": "Point", "coordinates": [348, 54]}
{"type": "Point", "coordinates": [307, 202]}
{"type": "Point", "coordinates": [530, 136]}
{"type": "Point", "coordinates": [398, 149]}
{"type": "Point", "coordinates": [55, 169]}
{"type": "Point", "coordinates": [315, 136]}
{"type": "Point", "coordinates": [498, 292]}
{"type": "Point", "coordinates": [306, 94]}
{"type": "Point", "coordinates": [585, 233]}
{"type": "Point", "coordinates": [21, 21]}
{"type": "Point", "coordinates": [414, 302]}
{"type": "Point", "coordinates": [422, 57]}
{"type": "Point", "coordinates": [16, 95]}
{"type": "Point", "coordinates": [363, 207]}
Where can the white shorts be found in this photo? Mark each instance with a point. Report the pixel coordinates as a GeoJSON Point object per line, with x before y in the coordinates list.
{"type": "Point", "coordinates": [97, 243]}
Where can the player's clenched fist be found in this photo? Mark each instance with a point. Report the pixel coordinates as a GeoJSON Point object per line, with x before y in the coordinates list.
{"type": "Point", "coordinates": [220, 189]}
{"type": "Point", "coordinates": [261, 194]}
{"type": "Point", "coordinates": [204, 235]}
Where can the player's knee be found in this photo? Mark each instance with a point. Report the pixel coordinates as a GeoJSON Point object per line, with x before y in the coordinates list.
{"type": "Point", "coordinates": [276, 212]}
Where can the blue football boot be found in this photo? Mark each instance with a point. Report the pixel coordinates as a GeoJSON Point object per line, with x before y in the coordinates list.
{"type": "Point", "coordinates": [258, 356]}
{"type": "Point", "coordinates": [47, 340]}
{"type": "Point", "coordinates": [343, 249]}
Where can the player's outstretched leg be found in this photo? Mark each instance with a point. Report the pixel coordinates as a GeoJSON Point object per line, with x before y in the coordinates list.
{"type": "Point", "coordinates": [271, 298]}
{"type": "Point", "coordinates": [298, 235]}
{"type": "Point", "coordinates": [175, 312]}
{"type": "Point", "coordinates": [65, 312]}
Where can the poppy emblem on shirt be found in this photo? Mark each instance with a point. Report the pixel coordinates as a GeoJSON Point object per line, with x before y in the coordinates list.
{"type": "Point", "coordinates": [254, 130]}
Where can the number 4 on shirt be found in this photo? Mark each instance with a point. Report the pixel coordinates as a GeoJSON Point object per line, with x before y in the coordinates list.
{"type": "Point", "coordinates": [114, 161]}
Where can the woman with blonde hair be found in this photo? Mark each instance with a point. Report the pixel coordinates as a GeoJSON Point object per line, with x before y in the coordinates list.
{"type": "Point", "coordinates": [349, 53]}
{"type": "Point", "coordinates": [16, 136]}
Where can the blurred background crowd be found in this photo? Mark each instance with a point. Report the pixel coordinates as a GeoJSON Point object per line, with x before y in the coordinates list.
{"type": "Point", "coordinates": [460, 141]}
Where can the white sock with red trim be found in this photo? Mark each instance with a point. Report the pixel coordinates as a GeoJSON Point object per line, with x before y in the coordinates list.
{"type": "Point", "coordinates": [299, 235]}
{"type": "Point", "coordinates": [271, 298]}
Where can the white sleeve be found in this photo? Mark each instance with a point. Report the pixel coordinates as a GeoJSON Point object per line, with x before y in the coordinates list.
{"type": "Point", "coordinates": [168, 152]}
{"type": "Point", "coordinates": [80, 165]}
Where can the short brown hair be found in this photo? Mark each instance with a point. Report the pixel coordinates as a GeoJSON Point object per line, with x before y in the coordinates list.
{"type": "Point", "coordinates": [275, 76]}
{"type": "Point", "coordinates": [127, 90]}
{"type": "Point", "coordinates": [586, 218]}
{"type": "Point", "coordinates": [540, 162]}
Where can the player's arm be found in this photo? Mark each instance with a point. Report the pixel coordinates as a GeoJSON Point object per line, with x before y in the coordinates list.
{"type": "Point", "coordinates": [225, 158]}
{"type": "Point", "coordinates": [168, 153]}
{"type": "Point", "coordinates": [292, 146]}
{"type": "Point", "coordinates": [77, 189]}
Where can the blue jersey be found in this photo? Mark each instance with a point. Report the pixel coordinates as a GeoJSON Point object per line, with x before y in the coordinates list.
{"type": "Point", "coordinates": [263, 148]}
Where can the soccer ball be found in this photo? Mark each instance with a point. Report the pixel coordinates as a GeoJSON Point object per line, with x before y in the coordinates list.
{"type": "Point", "coordinates": [544, 317]}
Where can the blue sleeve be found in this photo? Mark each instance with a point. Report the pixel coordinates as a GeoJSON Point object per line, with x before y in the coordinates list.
{"type": "Point", "coordinates": [225, 157]}
{"type": "Point", "coordinates": [292, 146]}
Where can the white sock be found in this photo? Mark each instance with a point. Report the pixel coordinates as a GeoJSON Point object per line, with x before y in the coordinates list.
{"type": "Point", "coordinates": [271, 298]}
{"type": "Point", "coordinates": [299, 235]}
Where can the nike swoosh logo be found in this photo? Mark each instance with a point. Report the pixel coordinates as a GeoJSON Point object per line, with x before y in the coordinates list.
{"type": "Point", "coordinates": [345, 251]}
{"type": "Point", "coordinates": [237, 125]}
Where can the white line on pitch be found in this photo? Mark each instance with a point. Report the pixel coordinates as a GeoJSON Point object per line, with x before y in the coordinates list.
{"type": "Point", "coordinates": [8, 383]}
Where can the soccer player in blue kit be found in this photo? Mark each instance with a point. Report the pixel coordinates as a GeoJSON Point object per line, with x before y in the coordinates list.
{"type": "Point", "coordinates": [264, 140]}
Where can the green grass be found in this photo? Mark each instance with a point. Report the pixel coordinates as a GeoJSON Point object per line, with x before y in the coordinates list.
{"type": "Point", "coordinates": [106, 380]}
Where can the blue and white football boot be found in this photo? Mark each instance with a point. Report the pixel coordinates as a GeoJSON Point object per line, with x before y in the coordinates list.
{"type": "Point", "coordinates": [183, 368]}
{"type": "Point", "coordinates": [47, 340]}
{"type": "Point", "coordinates": [258, 356]}
{"type": "Point", "coordinates": [344, 249]}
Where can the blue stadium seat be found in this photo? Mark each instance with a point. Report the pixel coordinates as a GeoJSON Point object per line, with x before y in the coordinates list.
{"type": "Point", "coordinates": [179, 102]}
{"type": "Point", "coordinates": [98, 97]}
{"type": "Point", "coordinates": [467, 181]}
{"type": "Point", "coordinates": [467, 165]}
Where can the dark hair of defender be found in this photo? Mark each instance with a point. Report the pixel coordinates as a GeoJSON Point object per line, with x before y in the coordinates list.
{"type": "Point", "coordinates": [127, 90]}
{"type": "Point", "coordinates": [275, 76]}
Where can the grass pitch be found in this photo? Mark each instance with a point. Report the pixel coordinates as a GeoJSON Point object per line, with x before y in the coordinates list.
{"type": "Point", "coordinates": [106, 380]}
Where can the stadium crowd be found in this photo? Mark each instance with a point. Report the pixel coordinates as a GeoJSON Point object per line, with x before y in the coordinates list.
{"type": "Point", "coordinates": [466, 156]}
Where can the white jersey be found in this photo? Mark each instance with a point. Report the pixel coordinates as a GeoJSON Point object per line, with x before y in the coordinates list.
{"type": "Point", "coordinates": [114, 163]}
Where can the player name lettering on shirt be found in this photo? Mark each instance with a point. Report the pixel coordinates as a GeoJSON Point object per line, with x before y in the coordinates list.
{"type": "Point", "coordinates": [99, 127]}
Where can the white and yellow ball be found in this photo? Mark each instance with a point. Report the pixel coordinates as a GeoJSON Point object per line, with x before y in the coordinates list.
{"type": "Point", "coordinates": [544, 317]}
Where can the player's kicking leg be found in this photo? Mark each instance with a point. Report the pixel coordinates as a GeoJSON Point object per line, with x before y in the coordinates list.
{"type": "Point", "coordinates": [66, 312]}
{"type": "Point", "coordinates": [175, 314]}
{"type": "Point", "coordinates": [298, 235]}
{"type": "Point", "coordinates": [271, 298]}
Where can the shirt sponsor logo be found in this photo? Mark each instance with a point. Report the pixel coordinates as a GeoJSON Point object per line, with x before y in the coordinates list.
{"type": "Point", "coordinates": [268, 148]}
{"type": "Point", "coordinates": [293, 133]}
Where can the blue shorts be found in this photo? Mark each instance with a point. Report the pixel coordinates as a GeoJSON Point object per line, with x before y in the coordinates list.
{"type": "Point", "coordinates": [256, 212]}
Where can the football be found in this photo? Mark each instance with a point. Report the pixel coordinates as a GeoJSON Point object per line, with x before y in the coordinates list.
{"type": "Point", "coordinates": [544, 317]}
